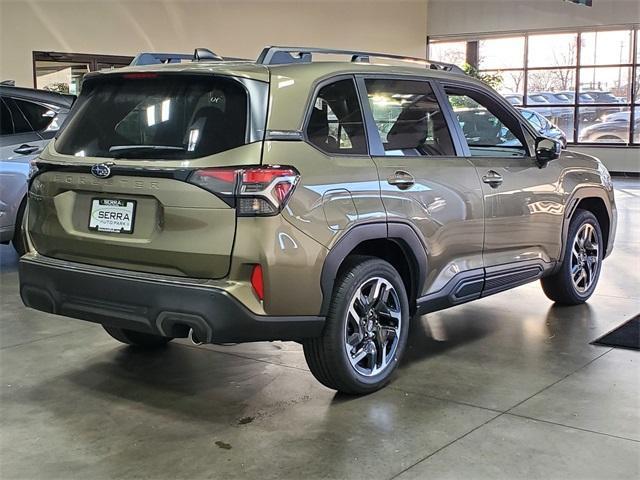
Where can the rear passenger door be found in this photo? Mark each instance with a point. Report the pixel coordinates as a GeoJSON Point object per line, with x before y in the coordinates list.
{"type": "Point", "coordinates": [423, 181]}
{"type": "Point", "coordinates": [523, 203]}
{"type": "Point", "coordinates": [20, 142]}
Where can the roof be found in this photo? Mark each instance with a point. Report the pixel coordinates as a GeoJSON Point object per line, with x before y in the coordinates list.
{"type": "Point", "coordinates": [44, 96]}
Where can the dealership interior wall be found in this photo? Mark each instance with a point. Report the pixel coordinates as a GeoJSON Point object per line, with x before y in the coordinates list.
{"type": "Point", "coordinates": [242, 28]}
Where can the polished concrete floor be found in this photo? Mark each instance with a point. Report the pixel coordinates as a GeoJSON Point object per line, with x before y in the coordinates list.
{"type": "Point", "coordinates": [505, 387]}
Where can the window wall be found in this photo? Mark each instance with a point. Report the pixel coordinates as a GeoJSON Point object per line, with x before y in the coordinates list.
{"type": "Point", "coordinates": [63, 72]}
{"type": "Point", "coordinates": [586, 82]}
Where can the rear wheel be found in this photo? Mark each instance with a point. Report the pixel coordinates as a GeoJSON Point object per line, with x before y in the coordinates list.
{"type": "Point", "coordinates": [578, 276]}
{"type": "Point", "coordinates": [366, 329]}
{"type": "Point", "coordinates": [138, 339]}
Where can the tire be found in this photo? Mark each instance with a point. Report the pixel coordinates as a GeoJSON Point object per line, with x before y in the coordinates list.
{"type": "Point", "coordinates": [561, 287]}
{"type": "Point", "coordinates": [19, 243]}
{"type": "Point", "coordinates": [383, 323]}
{"type": "Point", "coordinates": [137, 339]}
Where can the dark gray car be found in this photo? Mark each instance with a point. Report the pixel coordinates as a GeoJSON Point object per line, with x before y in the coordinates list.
{"type": "Point", "coordinates": [29, 119]}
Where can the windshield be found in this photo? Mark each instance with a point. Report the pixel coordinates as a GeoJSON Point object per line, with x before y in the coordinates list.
{"type": "Point", "coordinates": [151, 116]}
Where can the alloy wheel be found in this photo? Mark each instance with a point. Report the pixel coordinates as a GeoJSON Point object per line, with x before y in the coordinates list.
{"type": "Point", "coordinates": [372, 329]}
{"type": "Point", "coordinates": [585, 260]}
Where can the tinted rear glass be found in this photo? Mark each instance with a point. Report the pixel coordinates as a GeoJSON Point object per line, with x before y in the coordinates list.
{"type": "Point", "coordinates": [156, 117]}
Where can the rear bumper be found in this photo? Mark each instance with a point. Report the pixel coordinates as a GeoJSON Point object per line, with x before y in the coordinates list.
{"type": "Point", "coordinates": [152, 305]}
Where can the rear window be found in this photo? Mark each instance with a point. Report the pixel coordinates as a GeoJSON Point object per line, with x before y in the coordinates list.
{"type": "Point", "coordinates": [151, 116]}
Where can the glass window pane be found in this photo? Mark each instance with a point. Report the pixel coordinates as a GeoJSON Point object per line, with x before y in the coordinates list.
{"type": "Point", "coordinates": [636, 85]}
{"type": "Point", "coordinates": [555, 50]}
{"type": "Point", "coordinates": [409, 118]}
{"type": "Point", "coordinates": [605, 84]}
{"type": "Point", "coordinates": [554, 123]}
{"type": "Point", "coordinates": [510, 82]}
{"type": "Point", "coordinates": [336, 124]}
{"type": "Point", "coordinates": [606, 48]}
{"type": "Point", "coordinates": [38, 116]}
{"type": "Point", "coordinates": [610, 128]}
{"type": "Point", "coordinates": [499, 53]}
{"type": "Point", "coordinates": [6, 122]}
{"type": "Point", "coordinates": [450, 52]}
{"type": "Point", "coordinates": [636, 125]}
{"type": "Point", "coordinates": [486, 134]}
{"type": "Point", "coordinates": [63, 77]}
{"type": "Point", "coordinates": [168, 117]}
{"type": "Point", "coordinates": [554, 85]}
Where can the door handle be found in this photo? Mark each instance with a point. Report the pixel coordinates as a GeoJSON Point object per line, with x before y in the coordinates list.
{"type": "Point", "coordinates": [401, 179]}
{"type": "Point", "coordinates": [493, 178]}
{"type": "Point", "coordinates": [26, 149]}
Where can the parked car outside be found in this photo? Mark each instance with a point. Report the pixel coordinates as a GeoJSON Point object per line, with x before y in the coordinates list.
{"type": "Point", "coordinates": [29, 119]}
{"type": "Point", "coordinates": [543, 126]}
{"type": "Point", "coordinates": [320, 202]}
{"type": "Point", "coordinates": [613, 131]}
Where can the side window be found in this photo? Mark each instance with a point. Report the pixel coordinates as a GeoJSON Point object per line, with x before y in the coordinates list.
{"type": "Point", "coordinates": [490, 131]}
{"type": "Point", "coordinates": [20, 123]}
{"type": "Point", "coordinates": [38, 116]}
{"type": "Point", "coordinates": [409, 119]}
{"type": "Point", "coordinates": [532, 118]}
{"type": "Point", "coordinates": [6, 122]}
{"type": "Point", "coordinates": [336, 124]}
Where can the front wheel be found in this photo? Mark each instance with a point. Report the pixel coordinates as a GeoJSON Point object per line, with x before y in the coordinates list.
{"type": "Point", "coordinates": [579, 272]}
{"type": "Point", "coordinates": [366, 329]}
{"type": "Point", "coordinates": [137, 339]}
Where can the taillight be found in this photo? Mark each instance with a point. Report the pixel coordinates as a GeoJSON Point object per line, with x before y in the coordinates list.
{"type": "Point", "coordinates": [254, 191]}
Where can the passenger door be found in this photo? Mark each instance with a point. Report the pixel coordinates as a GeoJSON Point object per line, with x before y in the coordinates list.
{"type": "Point", "coordinates": [524, 203]}
{"type": "Point", "coordinates": [20, 142]}
{"type": "Point", "coordinates": [423, 182]}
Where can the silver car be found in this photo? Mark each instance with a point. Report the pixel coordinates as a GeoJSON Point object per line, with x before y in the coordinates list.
{"type": "Point", "coordinates": [28, 120]}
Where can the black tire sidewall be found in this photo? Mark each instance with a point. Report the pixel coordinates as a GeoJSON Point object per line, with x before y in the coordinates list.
{"type": "Point", "coordinates": [18, 240]}
{"type": "Point", "coordinates": [357, 275]}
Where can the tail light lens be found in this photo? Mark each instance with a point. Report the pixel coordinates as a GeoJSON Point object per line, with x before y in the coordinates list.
{"type": "Point", "coordinates": [254, 191]}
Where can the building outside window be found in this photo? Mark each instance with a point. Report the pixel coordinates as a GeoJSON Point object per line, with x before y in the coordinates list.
{"type": "Point", "coordinates": [585, 82]}
{"type": "Point", "coordinates": [63, 72]}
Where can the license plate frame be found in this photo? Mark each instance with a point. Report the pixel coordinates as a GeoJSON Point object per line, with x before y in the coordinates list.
{"type": "Point", "coordinates": [110, 221]}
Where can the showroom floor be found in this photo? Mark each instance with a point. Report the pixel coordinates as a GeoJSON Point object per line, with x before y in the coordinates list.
{"type": "Point", "coordinates": [506, 387]}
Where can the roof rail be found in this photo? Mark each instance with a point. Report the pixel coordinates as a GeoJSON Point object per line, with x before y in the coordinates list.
{"type": "Point", "coordinates": [278, 55]}
{"type": "Point", "coordinates": [153, 58]}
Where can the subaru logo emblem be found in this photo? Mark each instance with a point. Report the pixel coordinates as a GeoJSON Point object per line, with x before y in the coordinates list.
{"type": "Point", "coordinates": [101, 170]}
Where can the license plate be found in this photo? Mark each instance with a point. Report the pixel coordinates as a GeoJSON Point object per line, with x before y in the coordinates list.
{"type": "Point", "coordinates": [112, 215]}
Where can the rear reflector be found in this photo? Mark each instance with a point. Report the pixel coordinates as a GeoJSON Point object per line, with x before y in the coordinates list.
{"type": "Point", "coordinates": [257, 281]}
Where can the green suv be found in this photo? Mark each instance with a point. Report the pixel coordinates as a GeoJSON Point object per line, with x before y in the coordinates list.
{"type": "Point", "coordinates": [291, 199]}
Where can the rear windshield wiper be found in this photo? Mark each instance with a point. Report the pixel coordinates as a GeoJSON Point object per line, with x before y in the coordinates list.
{"type": "Point", "coordinates": [121, 150]}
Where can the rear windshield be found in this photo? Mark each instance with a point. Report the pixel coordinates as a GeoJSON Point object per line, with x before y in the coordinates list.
{"type": "Point", "coordinates": [151, 116]}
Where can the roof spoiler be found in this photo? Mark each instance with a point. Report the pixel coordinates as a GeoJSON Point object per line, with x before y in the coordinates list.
{"type": "Point", "coordinates": [154, 58]}
{"type": "Point", "coordinates": [278, 55]}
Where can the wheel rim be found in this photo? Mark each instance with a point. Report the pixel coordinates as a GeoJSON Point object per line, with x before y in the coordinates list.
{"type": "Point", "coordinates": [372, 329]}
{"type": "Point", "coordinates": [584, 258]}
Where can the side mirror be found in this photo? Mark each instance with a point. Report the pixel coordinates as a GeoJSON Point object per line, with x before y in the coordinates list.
{"type": "Point", "coordinates": [547, 149]}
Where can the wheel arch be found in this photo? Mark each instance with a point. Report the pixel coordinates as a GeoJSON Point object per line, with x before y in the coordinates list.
{"type": "Point", "coordinates": [596, 201]}
{"type": "Point", "coordinates": [397, 243]}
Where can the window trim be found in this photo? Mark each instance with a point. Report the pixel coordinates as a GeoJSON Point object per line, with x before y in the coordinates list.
{"type": "Point", "coordinates": [634, 66]}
